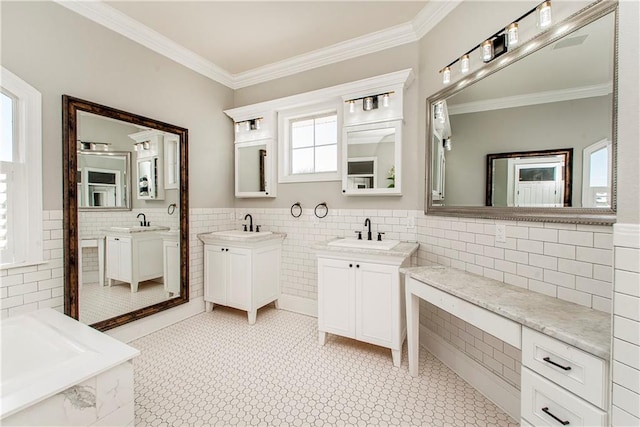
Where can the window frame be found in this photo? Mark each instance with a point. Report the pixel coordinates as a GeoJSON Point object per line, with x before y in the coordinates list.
{"type": "Point", "coordinates": [285, 118]}
{"type": "Point", "coordinates": [27, 228]}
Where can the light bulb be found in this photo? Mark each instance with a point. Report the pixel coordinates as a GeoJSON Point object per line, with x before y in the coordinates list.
{"type": "Point", "coordinates": [135, 147]}
{"type": "Point", "coordinates": [487, 50]}
{"type": "Point", "coordinates": [464, 63]}
{"type": "Point", "coordinates": [367, 103]}
{"type": "Point", "coordinates": [385, 100]}
{"type": "Point", "coordinates": [352, 106]}
{"type": "Point", "coordinates": [145, 145]}
{"type": "Point", "coordinates": [544, 14]}
{"type": "Point", "coordinates": [438, 111]}
{"type": "Point", "coordinates": [257, 124]}
{"type": "Point", "coordinates": [512, 34]}
{"type": "Point", "coordinates": [247, 125]}
{"type": "Point", "coordinates": [237, 127]}
{"type": "Point", "coordinates": [446, 75]}
{"type": "Point", "coordinates": [447, 144]}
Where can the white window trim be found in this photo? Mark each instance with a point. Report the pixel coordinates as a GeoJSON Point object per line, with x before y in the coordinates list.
{"type": "Point", "coordinates": [284, 162]}
{"type": "Point", "coordinates": [29, 126]}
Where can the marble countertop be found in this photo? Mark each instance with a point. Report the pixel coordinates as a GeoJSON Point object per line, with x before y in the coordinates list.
{"type": "Point", "coordinates": [238, 236]}
{"type": "Point", "coordinates": [45, 352]}
{"type": "Point", "coordinates": [136, 229]}
{"type": "Point", "coordinates": [581, 327]}
{"type": "Point", "coordinates": [401, 250]}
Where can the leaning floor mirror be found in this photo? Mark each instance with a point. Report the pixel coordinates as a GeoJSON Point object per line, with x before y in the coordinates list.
{"type": "Point", "coordinates": [531, 135]}
{"type": "Point", "coordinates": [125, 214]}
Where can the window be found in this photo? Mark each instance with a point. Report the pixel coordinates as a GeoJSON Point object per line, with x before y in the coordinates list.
{"type": "Point", "coordinates": [20, 172]}
{"type": "Point", "coordinates": [309, 145]}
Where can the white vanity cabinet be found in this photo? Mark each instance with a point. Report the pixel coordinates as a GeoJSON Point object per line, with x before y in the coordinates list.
{"type": "Point", "coordinates": [242, 275]}
{"type": "Point", "coordinates": [134, 257]}
{"type": "Point", "coordinates": [362, 299]}
{"type": "Point", "coordinates": [561, 384]}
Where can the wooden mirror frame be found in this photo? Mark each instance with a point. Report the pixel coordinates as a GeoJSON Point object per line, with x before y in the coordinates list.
{"type": "Point", "coordinates": [600, 216]}
{"type": "Point", "coordinates": [567, 158]}
{"type": "Point", "coordinates": [70, 108]}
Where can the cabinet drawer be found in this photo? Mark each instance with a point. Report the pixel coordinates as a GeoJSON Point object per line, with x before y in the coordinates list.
{"type": "Point", "coordinates": [586, 375]}
{"type": "Point", "coordinates": [543, 400]}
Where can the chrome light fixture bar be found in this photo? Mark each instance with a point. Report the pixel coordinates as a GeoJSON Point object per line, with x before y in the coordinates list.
{"type": "Point", "coordinates": [497, 44]}
{"type": "Point", "coordinates": [251, 124]}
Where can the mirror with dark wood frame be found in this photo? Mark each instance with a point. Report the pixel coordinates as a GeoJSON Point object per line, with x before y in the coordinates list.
{"type": "Point", "coordinates": [125, 214]}
{"type": "Point", "coordinates": [554, 92]}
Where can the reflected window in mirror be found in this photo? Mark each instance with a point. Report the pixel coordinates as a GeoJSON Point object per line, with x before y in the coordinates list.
{"type": "Point", "coordinates": [555, 93]}
{"type": "Point", "coordinates": [130, 253]}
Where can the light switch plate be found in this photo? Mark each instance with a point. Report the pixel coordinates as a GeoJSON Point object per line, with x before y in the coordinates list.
{"type": "Point", "coordinates": [501, 233]}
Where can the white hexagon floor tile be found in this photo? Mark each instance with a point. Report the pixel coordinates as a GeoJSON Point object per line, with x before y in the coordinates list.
{"type": "Point", "coordinates": [216, 369]}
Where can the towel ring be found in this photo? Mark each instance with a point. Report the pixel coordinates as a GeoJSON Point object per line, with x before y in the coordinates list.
{"type": "Point", "coordinates": [296, 208]}
{"type": "Point", "coordinates": [326, 210]}
{"type": "Point", "coordinates": [171, 208]}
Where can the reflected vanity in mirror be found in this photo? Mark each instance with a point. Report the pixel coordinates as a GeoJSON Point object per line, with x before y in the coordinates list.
{"type": "Point", "coordinates": [531, 135]}
{"type": "Point", "coordinates": [126, 246]}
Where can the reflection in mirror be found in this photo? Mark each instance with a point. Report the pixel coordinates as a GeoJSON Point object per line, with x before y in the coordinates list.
{"type": "Point", "coordinates": [130, 251]}
{"type": "Point", "coordinates": [530, 179]}
{"type": "Point", "coordinates": [372, 155]}
{"type": "Point", "coordinates": [560, 96]}
{"type": "Point", "coordinates": [251, 167]}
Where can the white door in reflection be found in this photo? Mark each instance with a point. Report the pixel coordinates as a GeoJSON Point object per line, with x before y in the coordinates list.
{"type": "Point", "coordinates": [536, 182]}
{"type": "Point", "coordinates": [596, 176]}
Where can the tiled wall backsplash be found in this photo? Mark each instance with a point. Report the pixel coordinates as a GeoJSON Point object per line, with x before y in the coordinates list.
{"type": "Point", "coordinates": [567, 261]}
{"type": "Point", "coordinates": [29, 288]}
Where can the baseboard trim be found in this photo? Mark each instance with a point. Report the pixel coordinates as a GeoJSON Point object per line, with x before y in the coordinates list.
{"type": "Point", "coordinates": [501, 393]}
{"type": "Point", "coordinates": [134, 330]}
{"type": "Point", "coordinates": [296, 304]}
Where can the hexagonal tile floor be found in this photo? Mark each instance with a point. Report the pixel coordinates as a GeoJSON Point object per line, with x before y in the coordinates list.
{"type": "Point", "coordinates": [216, 369]}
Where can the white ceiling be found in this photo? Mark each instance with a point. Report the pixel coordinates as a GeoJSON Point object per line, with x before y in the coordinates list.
{"type": "Point", "coordinates": [240, 36]}
{"type": "Point", "coordinates": [240, 43]}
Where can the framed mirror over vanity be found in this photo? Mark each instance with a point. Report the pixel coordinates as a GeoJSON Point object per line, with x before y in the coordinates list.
{"type": "Point", "coordinates": [531, 134]}
{"type": "Point", "coordinates": [125, 214]}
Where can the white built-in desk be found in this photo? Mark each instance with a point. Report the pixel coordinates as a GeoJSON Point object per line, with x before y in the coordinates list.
{"type": "Point", "coordinates": [565, 346]}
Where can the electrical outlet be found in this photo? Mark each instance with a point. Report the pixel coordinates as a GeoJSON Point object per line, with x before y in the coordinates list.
{"type": "Point", "coordinates": [501, 233]}
{"type": "Point", "coordinates": [411, 222]}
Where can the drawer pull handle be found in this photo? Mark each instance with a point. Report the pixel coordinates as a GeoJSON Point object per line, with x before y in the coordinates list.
{"type": "Point", "coordinates": [548, 412]}
{"type": "Point", "coordinates": [548, 360]}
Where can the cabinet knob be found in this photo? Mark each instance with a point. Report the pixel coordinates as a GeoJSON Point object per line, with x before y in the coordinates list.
{"type": "Point", "coordinates": [222, 249]}
{"type": "Point", "coordinates": [226, 250]}
{"type": "Point", "coordinates": [350, 265]}
{"type": "Point", "coordinates": [357, 265]}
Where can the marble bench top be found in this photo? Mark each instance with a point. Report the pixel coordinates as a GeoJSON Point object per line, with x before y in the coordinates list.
{"type": "Point", "coordinates": [581, 327]}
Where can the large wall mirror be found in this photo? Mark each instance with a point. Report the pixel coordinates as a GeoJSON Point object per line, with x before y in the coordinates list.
{"type": "Point", "coordinates": [125, 214]}
{"type": "Point", "coordinates": [531, 135]}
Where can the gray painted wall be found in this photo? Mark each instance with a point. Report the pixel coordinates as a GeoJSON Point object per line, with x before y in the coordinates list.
{"type": "Point", "coordinates": [59, 52]}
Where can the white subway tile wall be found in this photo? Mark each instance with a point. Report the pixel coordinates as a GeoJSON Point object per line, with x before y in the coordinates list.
{"type": "Point", "coordinates": [24, 289]}
{"type": "Point", "coordinates": [567, 261]}
{"type": "Point", "coordinates": [626, 326]}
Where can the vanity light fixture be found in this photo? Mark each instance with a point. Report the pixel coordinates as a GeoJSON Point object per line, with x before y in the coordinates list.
{"type": "Point", "coordinates": [464, 63]}
{"type": "Point", "coordinates": [497, 44]}
{"type": "Point", "coordinates": [544, 14]}
{"type": "Point", "coordinates": [512, 34]}
{"type": "Point", "coordinates": [370, 102]}
{"type": "Point", "coordinates": [141, 146]}
{"type": "Point", "coordinates": [251, 124]}
{"type": "Point", "coordinates": [447, 144]}
{"type": "Point", "coordinates": [94, 146]}
{"type": "Point", "coordinates": [446, 75]}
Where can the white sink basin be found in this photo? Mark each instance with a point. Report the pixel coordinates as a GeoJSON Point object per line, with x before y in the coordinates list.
{"type": "Point", "coordinates": [364, 244]}
{"type": "Point", "coordinates": [138, 228]}
{"type": "Point", "coordinates": [241, 234]}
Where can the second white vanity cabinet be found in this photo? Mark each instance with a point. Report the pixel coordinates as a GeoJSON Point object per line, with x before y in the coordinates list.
{"type": "Point", "coordinates": [362, 297]}
{"type": "Point", "coordinates": [171, 262]}
{"type": "Point", "coordinates": [242, 272]}
{"type": "Point", "coordinates": [133, 257]}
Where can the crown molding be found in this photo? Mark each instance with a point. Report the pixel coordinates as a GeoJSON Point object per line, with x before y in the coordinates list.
{"type": "Point", "coordinates": [117, 21]}
{"type": "Point", "coordinates": [430, 15]}
{"type": "Point", "coordinates": [531, 99]}
{"type": "Point", "coordinates": [121, 23]}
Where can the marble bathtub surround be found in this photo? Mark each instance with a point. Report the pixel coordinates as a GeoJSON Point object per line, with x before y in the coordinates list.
{"type": "Point", "coordinates": [59, 358]}
{"type": "Point", "coordinates": [584, 328]}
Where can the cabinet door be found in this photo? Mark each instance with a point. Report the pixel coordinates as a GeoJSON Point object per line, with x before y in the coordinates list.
{"type": "Point", "coordinates": [336, 297]}
{"type": "Point", "coordinates": [376, 303]}
{"type": "Point", "coordinates": [172, 267]}
{"type": "Point", "coordinates": [215, 274]}
{"type": "Point", "coordinates": [239, 278]}
{"type": "Point", "coordinates": [149, 257]}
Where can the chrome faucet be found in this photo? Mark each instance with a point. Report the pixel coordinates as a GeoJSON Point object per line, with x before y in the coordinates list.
{"type": "Point", "coordinates": [367, 223]}
{"type": "Point", "coordinates": [144, 222]}
{"type": "Point", "coordinates": [250, 222]}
